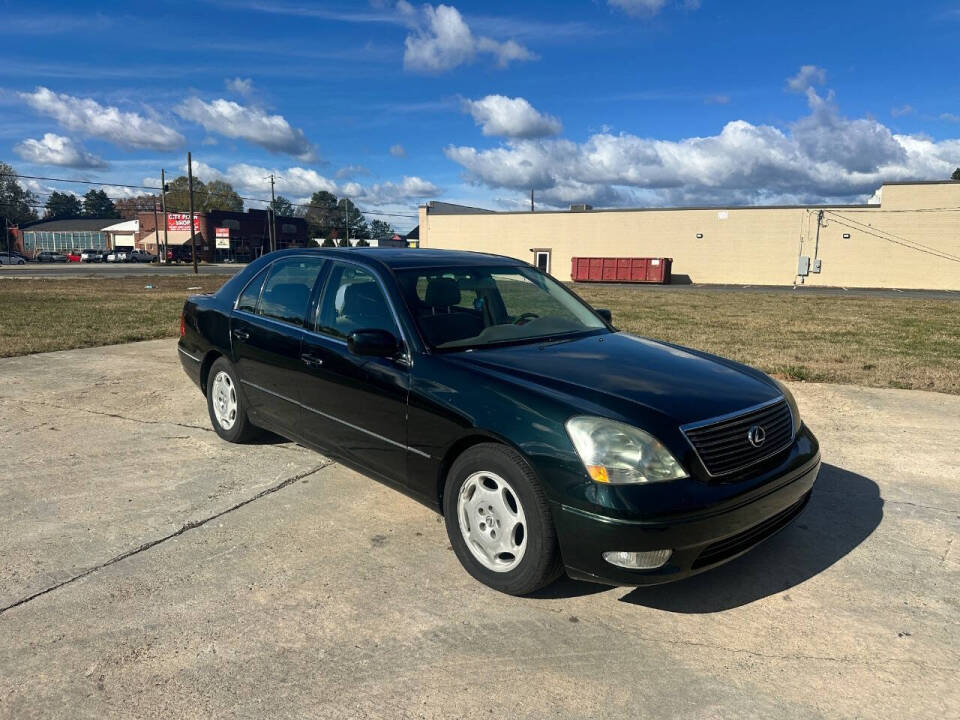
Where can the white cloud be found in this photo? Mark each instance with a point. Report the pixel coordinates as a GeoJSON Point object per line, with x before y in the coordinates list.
{"type": "Point", "coordinates": [511, 117]}
{"type": "Point", "coordinates": [54, 149]}
{"type": "Point", "coordinates": [127, 129]}
{"type": "Point", "coordinates": [441, 40]}
{"type": "Point", "coordinates": [822, 157]}
{"type": "Point", "coordinates": [240, 86]}
{"type": "Point", "coordinates": [902, 110]}
{"type": "Point", "coordinates": [398, 151]}
{"type": "Point", "coordinates": [950, 117]}
{"type": "Point", "coordinates": [299, 182]}
{"type": "Point", "coordinates": [351, 171]}
{"type": "Point", "coordinates": [807, 77]}
{"type": "Point", "coordinates": [638, 7]}
{"type": "Point", "coordinates": [252, 124]}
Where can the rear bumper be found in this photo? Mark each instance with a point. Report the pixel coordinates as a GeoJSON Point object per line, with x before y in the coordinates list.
{"type": "Point", "coordinates": [699, 541]}
{"type": "Point", "coordinates": [191, 362]}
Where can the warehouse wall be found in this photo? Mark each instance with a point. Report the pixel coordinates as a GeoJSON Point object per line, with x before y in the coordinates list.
{"type": "Point", "coordinates": [756, 246]}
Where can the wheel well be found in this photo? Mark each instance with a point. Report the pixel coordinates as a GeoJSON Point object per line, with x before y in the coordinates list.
{"type": "Point", "coordinates": [455, 451]}
{"type": "Point", "coordinates": [208, 360]}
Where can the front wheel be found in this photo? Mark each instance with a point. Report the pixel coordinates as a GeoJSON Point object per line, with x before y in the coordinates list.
{"type": "Point", "coordinates": [498, 521]}
{"type": "Point", "coordinates": [227, 404]}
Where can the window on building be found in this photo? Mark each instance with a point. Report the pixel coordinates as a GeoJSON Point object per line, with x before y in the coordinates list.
{"type": "Point", "coordinates": [541, 258]}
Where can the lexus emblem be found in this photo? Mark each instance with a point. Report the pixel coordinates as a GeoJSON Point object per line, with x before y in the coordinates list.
{"type": "Point", "coordinates": [756, 435]}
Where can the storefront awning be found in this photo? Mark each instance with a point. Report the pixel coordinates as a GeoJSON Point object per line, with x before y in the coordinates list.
{"type": "Point", "coordinates": [173, 237]}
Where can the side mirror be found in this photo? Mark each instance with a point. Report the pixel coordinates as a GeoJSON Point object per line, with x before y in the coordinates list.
{"type": "Point", "coordinates": [373, 343]}
{"type": "Point", "coordinates": [604, 313]}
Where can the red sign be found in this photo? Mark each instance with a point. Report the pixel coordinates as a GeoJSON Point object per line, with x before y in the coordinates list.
{"type": "Point", "coordinates": [181, 221]}
{"type": "Point", "coordinates": [222, 232]}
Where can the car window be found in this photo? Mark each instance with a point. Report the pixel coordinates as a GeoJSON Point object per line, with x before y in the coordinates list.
{"type": "Point", "coordinates": [287, 289]}
{"type": "Point", "coordinates": [251, 294]}
{"type": "Point", "coordinates": [353, 300]}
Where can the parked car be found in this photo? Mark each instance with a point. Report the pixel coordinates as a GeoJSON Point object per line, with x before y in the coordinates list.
{"type": "Point", "coordinates": [141, 256]}
{"type": "Point", "coordinates": [91, 255]}
{"type": "Point", "coordinates": [118, 255]}
{"type": "Point", "coordinates": [73, 256]}
{"type": "Point", "coordinates": [180, 253]}
{"type": "Point", "coordinates": [47, 256]}
{"type": "Point", "coordinates": [477, 384]}
{"type": "Point", "coordinates": [12, 258]}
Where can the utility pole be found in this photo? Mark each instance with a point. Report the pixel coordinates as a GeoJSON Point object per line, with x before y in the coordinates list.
{"type": "Point", "coordinates": [156, 227]}
{"type": "Point", "coordinates": [816, 245]}
{"type": "Point", "coordinates": [531, 200]}
{"type": "Point", "coordinates": [346, 219]}
{"type": "Point", "coordinates": [273, 215]}
{"type": "Point", "coordinates": [193, 235]}
{"type": "Point", "coordinates": [163, 196]}
{"type": "Point", "coordinates": [6, 236]}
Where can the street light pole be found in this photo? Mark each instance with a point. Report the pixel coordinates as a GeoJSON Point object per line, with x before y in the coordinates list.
{"type": "Point", "coordinates": [193, 235]}
{"type": "Point", "coordinates": [163, 200]}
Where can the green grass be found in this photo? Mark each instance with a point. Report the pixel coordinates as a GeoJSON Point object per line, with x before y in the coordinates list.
{"type": "Point", "coordinates": [45, 315]}
{"type": "Point", "coordinates": [875, 341]}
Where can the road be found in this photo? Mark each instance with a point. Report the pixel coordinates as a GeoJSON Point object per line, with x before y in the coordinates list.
{"type": "Point", "coordinates": [83, 270]}
{"type": "Point", "coordinates": [150, 570]}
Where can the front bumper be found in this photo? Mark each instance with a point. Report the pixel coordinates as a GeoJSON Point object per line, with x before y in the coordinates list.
{"type": "Point", "coordinates": [700, 541]}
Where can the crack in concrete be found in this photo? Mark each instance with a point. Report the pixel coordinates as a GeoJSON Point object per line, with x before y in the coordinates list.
{"type": "Point", "coordinates": [153, 543]}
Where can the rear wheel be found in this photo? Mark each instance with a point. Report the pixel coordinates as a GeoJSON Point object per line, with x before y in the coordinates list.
{"type": "Point", "coordinates": [498, 521]}
{"type": "Point", "coordinates": [227, 405]}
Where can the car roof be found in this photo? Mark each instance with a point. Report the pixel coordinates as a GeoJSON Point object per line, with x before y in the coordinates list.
{"type": "Point", "coordinates": [407, 258]}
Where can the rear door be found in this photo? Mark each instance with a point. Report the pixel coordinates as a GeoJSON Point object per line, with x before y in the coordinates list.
{"type": "Point", "coordinates": [355, 407]}
{"type": "Point", "coordinates": [266, 330]}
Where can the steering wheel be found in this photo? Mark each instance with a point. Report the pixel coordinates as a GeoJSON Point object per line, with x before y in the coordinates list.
{"type": "Point", "coordinates": [522, 319]}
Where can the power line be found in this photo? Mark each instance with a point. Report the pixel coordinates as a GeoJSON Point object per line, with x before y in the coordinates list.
{"type": "Point", "coordinates": [905, 241]}
{"type": "Point", "coordinates": [934, 253]}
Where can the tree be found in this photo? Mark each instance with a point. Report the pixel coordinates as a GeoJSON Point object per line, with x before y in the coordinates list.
{"type": "Point", "coordinates": [956, 174]}
{"type": "Point", "coordinates": [16, 204]}
{"type": "Point", "coordinates": [362, 243]}
{"type": "Point", "coordinates": [178, 196]}
{"type": "Point", "coordinates": [351, 217]}
{"type": "Point", "coordinates": [380, 228]}
{"type": "Point", "coordinates": [62, 205]}
{"type": "Point", "coordinates": [321, 212]}
{"type": "Point", "coordinates": [128, 208]}
{"type": "Point", "coordinates": [328, 242]}
{"type": "Point", "coordinates": [97, 204]}
{"type": "Point", "coordinates": [282, 207]}
{"type": "Point", "coordinates": [219, 195]}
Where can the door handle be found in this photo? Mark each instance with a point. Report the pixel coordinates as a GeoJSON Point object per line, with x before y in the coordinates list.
{"type": "Point", "coordinates": [311, 360]}
{"type": "Point", "coordinates": [241, 334]}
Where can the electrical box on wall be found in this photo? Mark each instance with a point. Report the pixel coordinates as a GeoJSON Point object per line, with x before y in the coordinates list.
{"type": "Point", "coordinates": [816, 265]}
{"type": "Point", "coordinates": [803, 266]}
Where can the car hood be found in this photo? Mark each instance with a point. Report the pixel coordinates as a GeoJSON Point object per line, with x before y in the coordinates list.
{"type": "Point", "coordinates": [619, 370]}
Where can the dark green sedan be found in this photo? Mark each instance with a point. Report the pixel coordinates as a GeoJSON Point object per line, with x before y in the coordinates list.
{"type": "Point", "coordinates": [478, 385]}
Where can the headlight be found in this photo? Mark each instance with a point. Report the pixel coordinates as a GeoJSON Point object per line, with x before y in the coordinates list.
{"type": "Point", "coordinates": [791, 401]}
{"type": "Point", "coordinates": [616, 453]}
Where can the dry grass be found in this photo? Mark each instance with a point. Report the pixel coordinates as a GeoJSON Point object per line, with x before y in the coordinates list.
{"type": "Point", "coordinates": [43, 315]}
{"type": "Point", "coordinates": [876, 341]}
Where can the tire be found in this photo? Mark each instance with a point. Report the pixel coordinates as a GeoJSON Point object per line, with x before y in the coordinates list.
{"type": "Point", "coordinates": [517, 561]}
{"type": "Point", "coordinates": [227, 405]}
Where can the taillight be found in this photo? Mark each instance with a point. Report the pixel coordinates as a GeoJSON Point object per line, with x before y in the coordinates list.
{"type": "Point", "coordinates": [183, 326]}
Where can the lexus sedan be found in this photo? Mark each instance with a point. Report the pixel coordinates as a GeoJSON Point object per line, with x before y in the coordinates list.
{"type": "Point", "coordinates": [478, 385]}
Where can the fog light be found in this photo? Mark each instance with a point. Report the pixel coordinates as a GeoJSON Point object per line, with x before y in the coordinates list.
{"type": "Point", "coordinates": [638, 560]}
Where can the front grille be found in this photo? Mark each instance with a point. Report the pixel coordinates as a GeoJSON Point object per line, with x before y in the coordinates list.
{"type": "Point", "coordinates": [728, 547]}
{"type": "Point", "coordinates": [724, 447]}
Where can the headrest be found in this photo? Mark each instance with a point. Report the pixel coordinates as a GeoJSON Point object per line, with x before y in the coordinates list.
{"type": "Point", "coordinates": [442, 292]}
{"type": "Point", "coordinates": [361, 298]}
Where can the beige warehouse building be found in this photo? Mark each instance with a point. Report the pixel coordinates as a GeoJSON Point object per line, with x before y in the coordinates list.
{"type": "Point", "coordinates": [911, 239]}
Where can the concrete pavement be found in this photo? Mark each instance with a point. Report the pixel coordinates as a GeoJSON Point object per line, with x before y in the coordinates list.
{"type": "Point", "coordinates": [148, 569]}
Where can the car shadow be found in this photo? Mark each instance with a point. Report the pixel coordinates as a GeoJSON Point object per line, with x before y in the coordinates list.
{"type": "Point", "coordinates": [844, 510]}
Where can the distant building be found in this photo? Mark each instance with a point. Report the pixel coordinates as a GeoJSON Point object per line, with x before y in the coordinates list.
{"type": "Point", "coordinates": [222, 234]}
{"type": "Point", "coordinates": [910, 238]}
{"type": "Point", "coordinates": [66, 234]}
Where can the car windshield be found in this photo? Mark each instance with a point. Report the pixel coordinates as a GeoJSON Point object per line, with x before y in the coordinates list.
{"type": "Point", "coordinates": [466, 307]}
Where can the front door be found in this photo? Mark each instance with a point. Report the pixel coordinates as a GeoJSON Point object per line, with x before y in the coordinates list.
{"type": "Point", "coordinates": [355, 407]}
{"type": "Point", "coordinates": [266, 332]}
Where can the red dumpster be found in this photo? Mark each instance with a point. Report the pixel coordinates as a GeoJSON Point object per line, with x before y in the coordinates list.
{"type": "Point", "coordinates": [622, 270]}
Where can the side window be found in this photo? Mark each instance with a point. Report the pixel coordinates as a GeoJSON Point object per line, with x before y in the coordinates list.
{"type": "Point", "coordinates": [251, 294]}
{"type": "Point", "coordinates": [353, 300]}
{"type": "Point", "coordinates": [287, 290]}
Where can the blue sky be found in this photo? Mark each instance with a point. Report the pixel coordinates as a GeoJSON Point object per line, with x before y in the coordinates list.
{"type": "Point", "coordinates": [614, 102]}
